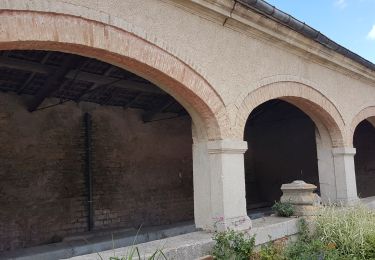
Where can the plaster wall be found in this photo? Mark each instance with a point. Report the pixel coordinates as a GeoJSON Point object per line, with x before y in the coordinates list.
{"type": "Point", "coordinates": [219, 61]}
{"type": "Point", "coordinates": [232, 59]}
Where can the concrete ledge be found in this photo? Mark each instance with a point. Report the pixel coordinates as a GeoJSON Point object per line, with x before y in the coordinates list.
{"type": "Point", "coordinates": [274, 228]}
{"type": "Point", "coordinates": [98, 241]}
{"type": "Point", "coordinates": [198, 244]}
{"type": "Point", "coordinates": [182, 247]}
{"type": "Point", "coordinates": [369, 202]}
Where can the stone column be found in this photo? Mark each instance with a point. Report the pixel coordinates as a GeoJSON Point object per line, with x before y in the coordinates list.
{"type": "Point", "coordinates": [346, 186]}
{"type": "Point", "coordinates": [327, 180]}
{"type": "Point", "coordinates": [219, 185]}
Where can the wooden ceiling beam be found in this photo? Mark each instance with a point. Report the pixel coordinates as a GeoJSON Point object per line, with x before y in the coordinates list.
{"type": "Point", "coordinates": [29, 66]}
{"type": "Point", "coordinates": [150, 115]}
{"type": "Point", "coordinates": [35, 67]}
{"type": "Point", "coordinates": [128, 104]}
{"type": "Point", "coordinates": [118, 83]}
{"type": "Point", "coordinates": [53, 82]}
{"type": "Point", "coordinates": [32, 75]}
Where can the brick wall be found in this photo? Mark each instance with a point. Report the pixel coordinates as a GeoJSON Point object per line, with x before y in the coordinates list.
{"type": "Point", "coordinates": [142, 172]}
{"type": "Point", "coordinates": [364, 142]}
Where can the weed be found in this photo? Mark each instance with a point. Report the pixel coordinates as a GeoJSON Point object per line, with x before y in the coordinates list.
{"type": "Point", "coordinates": [283, 209]}
{"type": "Point", "coordinates": [232, 245]}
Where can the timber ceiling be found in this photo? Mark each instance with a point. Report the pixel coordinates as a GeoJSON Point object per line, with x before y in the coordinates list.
{"type": "Point", "coordinates": [73, 78]}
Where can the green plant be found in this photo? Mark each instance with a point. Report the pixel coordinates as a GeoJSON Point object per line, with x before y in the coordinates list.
{"type": "Point", "coordinates": [283, 209]}
{"type": "Point", "coordinates": [350, 229]}
{"type": "Point", "coordinates": [309, 247]}
{"type": "Point", "coordinates": [315, 249]}
{"type": "Point", "coordinates": [271, 251]}
{"type": "Point", "coordinates": [340, 233]}
{"type": "Point", "coordinates": [233, 245]}
{"type": "Point", "coordinates": [303, 231]}
{"type": "Point", "coordinates": [370, 246]}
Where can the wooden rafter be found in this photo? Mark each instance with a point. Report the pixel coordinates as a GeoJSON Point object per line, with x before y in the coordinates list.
{"type": "Point", "coordinates": [150, 115]}
{"type": "Point", "coordinates": [32, 75]}
{"type": "Point", "coordinates": [128, 104]}
{"type": "Point", "coordinates": [53, 82]}
{"type": "Point", "coordinates": [34, 67]}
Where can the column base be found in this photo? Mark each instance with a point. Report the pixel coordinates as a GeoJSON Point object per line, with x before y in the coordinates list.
{"type": "Point", "coordinates": [348, 201]}
{"type": "Point", "coordinates": [346, 187]}
{"type": "Point", "coordinates": [237, 224]}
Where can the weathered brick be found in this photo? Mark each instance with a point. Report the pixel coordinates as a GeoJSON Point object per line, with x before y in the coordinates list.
{"type": "Point", "coordinates": [142, 172]}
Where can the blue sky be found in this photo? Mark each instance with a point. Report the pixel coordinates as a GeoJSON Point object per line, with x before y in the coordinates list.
{"type": "Point", "coordinates": [350, 23]}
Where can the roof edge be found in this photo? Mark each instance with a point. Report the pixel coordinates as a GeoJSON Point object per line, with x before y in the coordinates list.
{"type": "Point", "coordinates": [285, 19]}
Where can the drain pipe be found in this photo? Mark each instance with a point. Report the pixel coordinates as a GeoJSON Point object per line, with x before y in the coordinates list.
{"type": "Point", "coordinates": [88, 170]}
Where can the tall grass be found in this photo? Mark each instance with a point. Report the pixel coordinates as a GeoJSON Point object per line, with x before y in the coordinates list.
{"type": "Point", "coordinates": [348, 229]}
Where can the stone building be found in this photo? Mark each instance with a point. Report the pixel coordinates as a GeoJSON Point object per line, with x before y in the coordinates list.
{"type": "Point", "coordinates": [121, 114]}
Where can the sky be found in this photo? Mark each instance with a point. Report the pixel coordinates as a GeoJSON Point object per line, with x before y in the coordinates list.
{"type": "Point", "coordinates": [351, 23]}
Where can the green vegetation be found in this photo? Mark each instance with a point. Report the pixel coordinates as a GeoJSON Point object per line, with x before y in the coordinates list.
{"type": "Point", "coordinates": [338, 233]}
{"type": "Point", "coordinates": [283, 209]}
{"type": "Point", "coordinates": [232, 245]}
{"type": "Point", "coordinates": [350, 230]}
{"type": "Point", "coordinates": [133, 253]}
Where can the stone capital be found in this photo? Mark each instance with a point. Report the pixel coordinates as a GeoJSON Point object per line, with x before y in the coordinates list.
{"type": "Point", "coordinates": [343, 151]}
{"type": "Point", "coordinates": [227, 146]}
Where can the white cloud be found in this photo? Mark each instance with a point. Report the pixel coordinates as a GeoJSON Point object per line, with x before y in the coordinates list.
{"type": "Point", "coordinates": [341, 4]}
{"type": "Point", "coordinates": [371, 34]}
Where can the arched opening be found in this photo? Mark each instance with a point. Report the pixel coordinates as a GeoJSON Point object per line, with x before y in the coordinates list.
{"type": "Point", "coordinates": [86, 146]}
{"type": "Point", "coordinates": [364, 142]}
{"type": "Point", "coordinates": [81, 31]}
{"type": "Point", "coordinates": [282, 148]}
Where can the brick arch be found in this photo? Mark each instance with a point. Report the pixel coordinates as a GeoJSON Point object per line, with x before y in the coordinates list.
{"type": "Point", "coordinates": [320, 109]}
{"type": "Point", "coordinates": [72, 34]}
{"type": "Point", "coordinates": [368, 114]}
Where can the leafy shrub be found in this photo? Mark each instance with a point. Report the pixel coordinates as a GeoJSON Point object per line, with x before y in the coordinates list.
{"type": "Point", "coordinates": [232, 245]}
{"type": "Point", "coordinates": [303, 231]}
{"type": "Point", "coordinates": [271, 251]}
{"type": "Point", "coordinates": [340, 233]}
{"type": "Point", "coordinates": [283, 209]}
{"type": "Point", "coordinates": [315, 249]}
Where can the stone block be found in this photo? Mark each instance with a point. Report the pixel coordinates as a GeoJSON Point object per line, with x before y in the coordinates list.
{"type": "Point", "coordinates": [301, 195]}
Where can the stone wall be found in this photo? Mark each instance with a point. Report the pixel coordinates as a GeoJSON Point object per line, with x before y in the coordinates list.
{"type": "Point", "coordinates": [282, 148]}
{"type": "Point", "coordinates": [364, 142]}
{"type": "Point", "coordinates": [142, 172]}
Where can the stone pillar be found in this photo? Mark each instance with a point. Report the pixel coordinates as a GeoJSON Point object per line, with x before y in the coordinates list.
{"type": "Point", "coordinates": [301, 195]}
{"type": "Point", "coordinates": [346, 186]}
{"type": "Point", "coordinates": [219, 185]}
{"type": "Point", "coordinates": [327, 180]}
